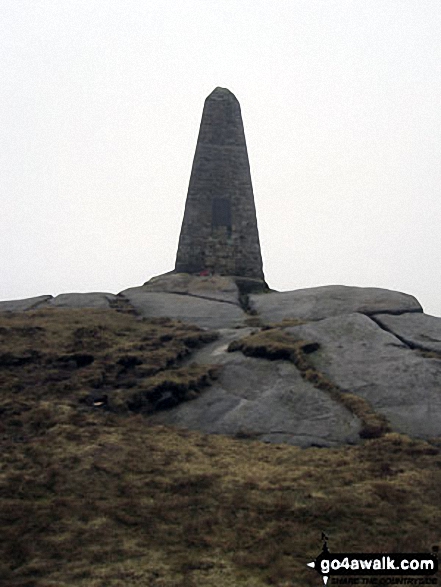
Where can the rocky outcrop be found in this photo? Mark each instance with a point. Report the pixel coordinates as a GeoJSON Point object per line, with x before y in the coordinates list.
{"type": "Point", "coordinates": [316, 303]}
{"type": "Point", "coordinates": [359, 357]}
{"type": "Point", "coordinates": [68, 300]}
{"type": "Point", "coordinates": [23, 305]}
{"type": "Point", "coordinates": [264, 400]}
{"type": "Point", "coordinates": [419, 331]}
{"type": "Point", "coordinates": [210, 302]}
{"type": "Point", "coordinates": [201, 311]}
{"type": "Point", "coordinates": [81, 300]}
{"type": "Point", "coordinates": [355, 353]}
{"type": "Point", "coordinates": [215, 287]}
{"type": "Point", "coordinates": [362, 372]}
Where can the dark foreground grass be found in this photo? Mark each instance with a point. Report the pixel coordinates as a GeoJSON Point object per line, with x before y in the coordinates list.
{"type": "Point", "coordinates": [92, 498]}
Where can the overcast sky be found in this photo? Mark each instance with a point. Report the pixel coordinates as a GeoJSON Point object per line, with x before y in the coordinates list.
{"type": "Point", "coordinates": [100, 105]}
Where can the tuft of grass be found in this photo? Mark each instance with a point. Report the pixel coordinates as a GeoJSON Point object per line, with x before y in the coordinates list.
{"type": "Point", "coordinates": [429, 354]}
{"type": "Point", "coordinates": [165, 389]}
{"type": "Point", "coordinates": [274, 344]}
{"type": "Point", "coordinates": [253, 321]}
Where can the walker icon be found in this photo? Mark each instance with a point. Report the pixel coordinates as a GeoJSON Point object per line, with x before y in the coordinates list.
{"type": "Point", "coordinates": [317, 564]}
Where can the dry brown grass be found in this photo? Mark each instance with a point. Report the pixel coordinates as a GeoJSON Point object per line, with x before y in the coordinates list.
{"type": "Point", "coordinates": [91, 498]}
{"type": "Point", "coordinates": [90, 355]}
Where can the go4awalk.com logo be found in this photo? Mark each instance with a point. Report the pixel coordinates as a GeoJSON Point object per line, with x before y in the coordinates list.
{"type": "Point", "coordinates": [375, 565]}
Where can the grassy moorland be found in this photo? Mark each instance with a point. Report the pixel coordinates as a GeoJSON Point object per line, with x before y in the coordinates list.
{"type": "Point", "coordinates": [91, 495]}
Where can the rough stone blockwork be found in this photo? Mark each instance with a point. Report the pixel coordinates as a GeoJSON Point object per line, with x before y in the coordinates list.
{"type": "Point", "coordinates": [219, 231]}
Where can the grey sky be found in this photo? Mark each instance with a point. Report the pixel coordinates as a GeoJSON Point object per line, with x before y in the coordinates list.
{"type": "Point", "coordinates": [100, 104]}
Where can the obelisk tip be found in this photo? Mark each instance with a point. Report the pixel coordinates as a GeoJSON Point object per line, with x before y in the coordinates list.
{"type": "Point", "coordinates": [221, 94]}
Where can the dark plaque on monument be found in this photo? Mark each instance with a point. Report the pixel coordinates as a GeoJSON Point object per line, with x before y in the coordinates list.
{"type": "Point", "coordinates": [221, 215]}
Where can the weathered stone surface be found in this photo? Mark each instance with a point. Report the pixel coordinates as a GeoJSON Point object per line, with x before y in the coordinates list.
{"type": "Point", "coordinates": [22, 305]}
{"type": "Point", "coordinates": [81, 300]}
{"type": "Point", "coordinates": [267, 400]}
{"type": "Point", "coordinates": [417, 330]}
{"type": "Point", "coordinates": [219, 230]}
{"type": "Point", "coordinates": [202, 312]}
{"type": "Point", "coordinates": [360, 357]}
{"type": "Point", "coordinates": [214, 287]}
{"type": "Point", "coordinates": [316, 303]}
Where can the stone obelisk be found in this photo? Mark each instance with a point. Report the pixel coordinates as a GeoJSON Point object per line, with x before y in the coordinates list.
{"type": "Point", "coordinates": [219, 231]}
